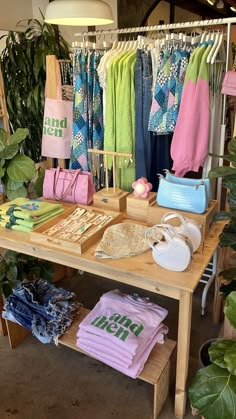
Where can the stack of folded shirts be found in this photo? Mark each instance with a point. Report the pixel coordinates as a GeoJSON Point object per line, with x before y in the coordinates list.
{"type": "Point", "coordinates": [23, 214]}
{"type": "Point", "coordinates": [122, 330]}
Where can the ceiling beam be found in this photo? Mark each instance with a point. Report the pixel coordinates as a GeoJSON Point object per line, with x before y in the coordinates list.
{"type": "Point", "coordinates": [201, 8]}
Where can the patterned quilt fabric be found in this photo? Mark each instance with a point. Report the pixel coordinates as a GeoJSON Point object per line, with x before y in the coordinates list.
{"type": "Point", "coordinates": [88, 110]}
{"type": "Point", "coordinates": [168, 90]}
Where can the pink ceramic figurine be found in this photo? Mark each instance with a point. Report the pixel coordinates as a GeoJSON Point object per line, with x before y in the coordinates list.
{"type": "Point", "coordinates": [141, 187]}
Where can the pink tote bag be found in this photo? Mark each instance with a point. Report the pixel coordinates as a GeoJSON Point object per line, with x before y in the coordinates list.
{"type": "Point", "coordinates": [68, 185]}
{"type": "Point", "coordinates": [57, 128]}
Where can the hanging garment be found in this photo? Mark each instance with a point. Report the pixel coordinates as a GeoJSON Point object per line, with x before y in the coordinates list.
{"type": "Point", "coordinates": [216, 100]}
{"type": "Point", "coordinates": [125, 116]}
{"type": "Point", "coordinates": [190, 141]}
{"type": "Point", "coordinates": [161, 158]}
{"type": "Point", "coordinates": [143, 100]}
{"type": "Point", "coordinates": [159, 103]}
{"type": "Point", "coordinates": [110, 116]}
{"type": "Point", "coordinates": [155, 56]}
{"type": "Point", "coordinates": [168, 90]}
{"type": "Point", "coordinates": [119, 135]}
{"type": "Point", "coordinates": [179, 63]}
{"type": "Point", "coordinates": [79, 153]}
{"type": "Point", "coordinates": [88, 109]}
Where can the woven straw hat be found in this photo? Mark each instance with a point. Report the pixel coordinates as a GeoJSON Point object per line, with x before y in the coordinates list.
{"type": "Point", "coordinates": [122, 240]}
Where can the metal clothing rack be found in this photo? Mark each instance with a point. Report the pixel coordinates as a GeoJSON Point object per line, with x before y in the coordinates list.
{"type": "Point", "coordinates": [185, 25]}
{"type": "Point", "coordinates": [170, 26]}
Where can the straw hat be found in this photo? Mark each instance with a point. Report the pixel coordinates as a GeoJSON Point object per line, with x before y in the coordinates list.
{"type": "Point", "coordinates": [122, 240]}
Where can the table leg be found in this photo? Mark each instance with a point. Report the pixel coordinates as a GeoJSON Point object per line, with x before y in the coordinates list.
{"type": "Point", "coordinates": [184, 330]}
{"type": "Point", "coordinates": [3, 328]}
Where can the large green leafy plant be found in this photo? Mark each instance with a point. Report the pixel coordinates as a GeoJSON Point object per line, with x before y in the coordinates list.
{"type": "Point", "coordinates": [16, 169]}
{"type": "Point", "coordinates": [213, 391]}
{"type": "Point", "coordinates": [23, 64]}
{"type": "Point", "coordinates": [16, 267]}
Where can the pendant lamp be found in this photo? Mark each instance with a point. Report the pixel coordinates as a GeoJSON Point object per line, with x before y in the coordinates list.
{"type": "Point", "coordinates": [78, 13]}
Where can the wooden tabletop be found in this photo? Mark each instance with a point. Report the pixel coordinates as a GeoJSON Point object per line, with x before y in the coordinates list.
{"type": "Point", "coordinates": [140, 271]}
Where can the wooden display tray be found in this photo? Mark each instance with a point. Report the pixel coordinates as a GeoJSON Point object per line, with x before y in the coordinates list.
{"type": "Point", "coordinates": [38, 234]}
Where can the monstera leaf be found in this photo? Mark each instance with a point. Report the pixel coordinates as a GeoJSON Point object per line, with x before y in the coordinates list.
{"type": "Point", "coordinates": [213, 393]}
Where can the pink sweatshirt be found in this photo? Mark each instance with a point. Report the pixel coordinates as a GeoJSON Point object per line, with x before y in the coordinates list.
{"type": "Point", "coordinates": [122, 322]}
{"type": "Point", "coordinates": [191, 137]}
{"type": "Point", "coordinates": [134, 369]}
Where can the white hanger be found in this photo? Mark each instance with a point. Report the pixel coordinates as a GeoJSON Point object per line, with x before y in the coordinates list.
{"type": "Point", "coordinates": [203, 37]}
{"type": "Point", "coordinates": [144, 41]}
{"type": "Point", "coordinates": [115, 45]}
{"type": "Point", "coordinates": [214, 38]}
{"type": "Point", "coordinates": [220, 42]}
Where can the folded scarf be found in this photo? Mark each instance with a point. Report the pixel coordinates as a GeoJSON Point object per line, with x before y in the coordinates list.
{"type": "Point", "coordinates": [27, 209]}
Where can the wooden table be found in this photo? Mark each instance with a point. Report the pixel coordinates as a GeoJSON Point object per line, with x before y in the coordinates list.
{"type": "Point", "coordinates": [139, 271]}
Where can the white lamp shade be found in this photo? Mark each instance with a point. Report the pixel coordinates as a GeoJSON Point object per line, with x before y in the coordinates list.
{"type": "Point", "coordinates": [78, 13]}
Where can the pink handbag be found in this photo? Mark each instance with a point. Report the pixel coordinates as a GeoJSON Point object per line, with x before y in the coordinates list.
{"type": "Point", "coordinates": [229, 84]}
{"type": "Point", "coordinates": [68, 185]}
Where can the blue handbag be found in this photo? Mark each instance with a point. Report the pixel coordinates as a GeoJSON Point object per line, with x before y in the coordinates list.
{"type": "Point", "coordinates": [181, 196]}
{"type": "Point", "coordinates": [175, 179]}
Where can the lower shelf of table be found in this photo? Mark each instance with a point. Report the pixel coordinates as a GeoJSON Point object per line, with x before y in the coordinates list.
{"type": "Point", "coordinates": [155, 364]}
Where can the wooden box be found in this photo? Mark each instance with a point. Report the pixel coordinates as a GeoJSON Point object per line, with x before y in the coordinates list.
{"type": "Point", "coordinates": [137, 207]}
{"type": "Point", "coordinates": [87, 239]}
{"type": "Point", "coordinates": [115, 203]}
{"type": "Point", "coordinates": [156, 212]}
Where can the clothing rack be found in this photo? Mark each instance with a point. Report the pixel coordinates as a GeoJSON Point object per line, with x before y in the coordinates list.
{"type": "Point", "coordinates": [170, 26]}
{"type": "Point", "coordinates": [227, 22]}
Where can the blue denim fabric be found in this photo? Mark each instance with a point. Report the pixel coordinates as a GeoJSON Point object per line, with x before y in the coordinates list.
{"type": "Point", "coordinates": [139, 144]}
{"type": "Point", "coordinates": [147, 102]}
{"type": "Point", "coordinates": [143, 101]}
{"type": "Point", "coordinates": [161, 158]}
{"type": "Point", "coordinates": [22, 313]}
{"type": "Point", "coordinates": [42, 308]}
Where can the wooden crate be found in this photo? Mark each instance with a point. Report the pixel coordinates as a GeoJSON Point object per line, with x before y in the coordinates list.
{"type": "Point", "coordinates": [156, 212]}
{"type": "Point", "coordinates": [137, 208]}
{"type": "Point", "coordinates": [39, 234]}
{"type": "Point", "coordinates": [156, 370]}
{"type": "Point", "coordinates": [115, 203]}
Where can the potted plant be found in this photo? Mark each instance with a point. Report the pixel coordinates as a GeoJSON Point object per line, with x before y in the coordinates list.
{"type": "Point", "coordinates": [15, 266]}
{"type": "Point", "coordinates": [213, 391]}
{"type": "Point", "coordinates": [23, 63]}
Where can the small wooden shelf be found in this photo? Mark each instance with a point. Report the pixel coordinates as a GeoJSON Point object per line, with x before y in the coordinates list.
{"type": "Point", "coordinates": [156, 370]}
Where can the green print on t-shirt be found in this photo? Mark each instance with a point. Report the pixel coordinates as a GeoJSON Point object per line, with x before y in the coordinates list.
{"type": "Point", "coordinates": [112, 325]}
{"type": "Point", "coordinates": [53, 126]}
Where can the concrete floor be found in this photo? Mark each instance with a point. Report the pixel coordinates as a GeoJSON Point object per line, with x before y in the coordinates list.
{"type": "Point", "coordinates": [46, 382]}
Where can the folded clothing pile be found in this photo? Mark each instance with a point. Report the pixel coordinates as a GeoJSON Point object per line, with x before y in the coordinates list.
{"type": "Point", "coordinates": [42, 308]}
{"type": "Point", "coordinates": [122, 330]}
{"type": "Point", "coordinates": [23, 214]}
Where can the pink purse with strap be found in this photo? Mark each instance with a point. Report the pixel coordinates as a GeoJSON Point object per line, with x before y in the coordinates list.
{"type": "Point", "coordinates": [229, 84]}
{"type": "Point", "coordinates": [74, 186]}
